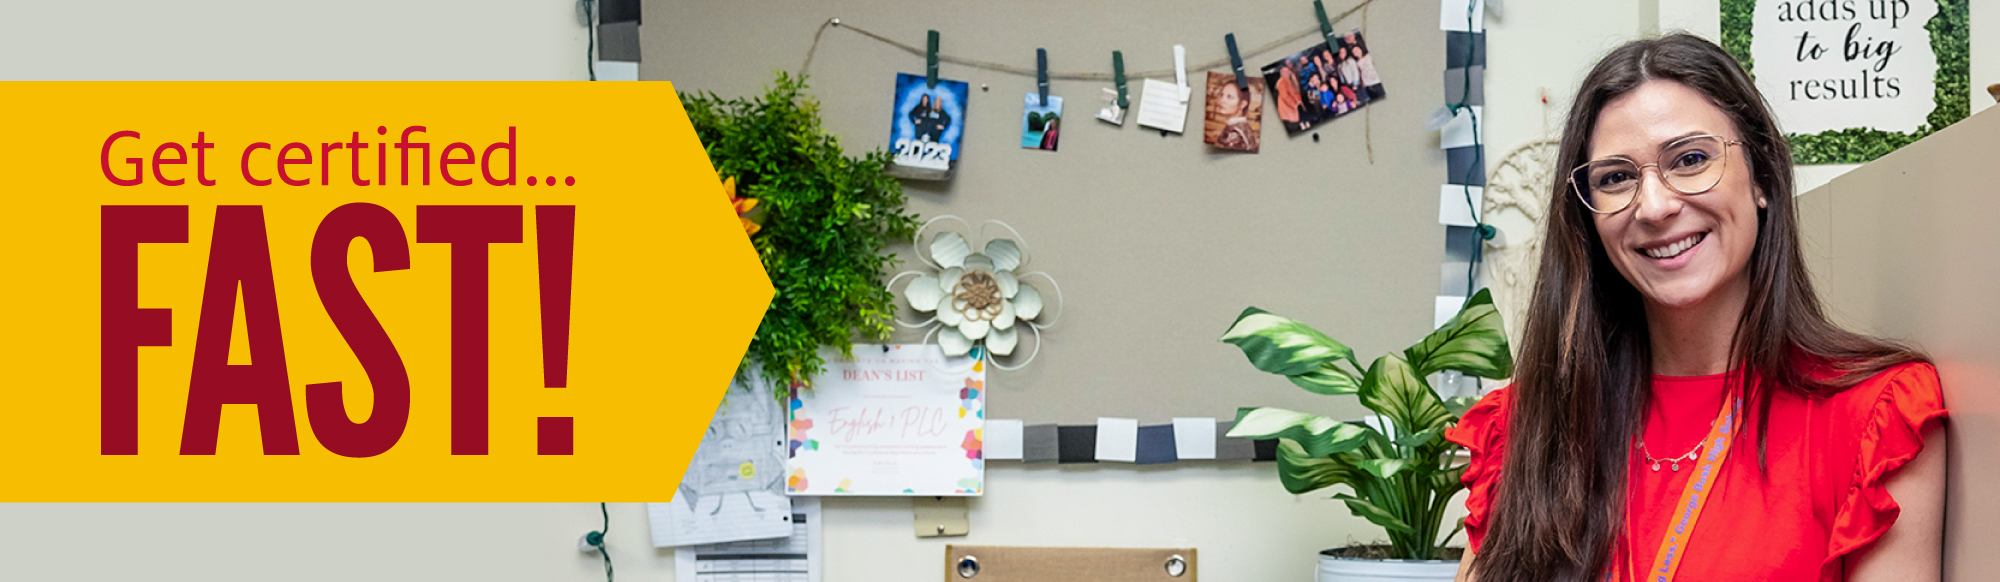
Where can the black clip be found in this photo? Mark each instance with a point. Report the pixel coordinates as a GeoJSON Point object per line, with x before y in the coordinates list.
{"type": "Point", "coordinates": [1236, 62]}
{"type": "Point", "coordinates": [930, 62]}
{"type": "Point", "coordinates": [1042, 74]}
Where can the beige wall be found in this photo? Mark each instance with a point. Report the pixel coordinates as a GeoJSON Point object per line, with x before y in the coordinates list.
{"type": "Point", "coordinates": [1903, 247]}
{"type": "Point", "coordinates": [1245, 526]}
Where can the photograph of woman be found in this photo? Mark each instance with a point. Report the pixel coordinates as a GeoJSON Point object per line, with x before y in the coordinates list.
{"type": "Point", "coordinates": [920, 116]}
{"type": "Point", "coordinates": [1682, 407]}
{"type": "Point", "coordinates": [1232, 115]}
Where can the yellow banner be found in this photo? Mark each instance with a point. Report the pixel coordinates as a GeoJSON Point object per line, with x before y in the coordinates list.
{"type": "Point", "coordinates": [361, 292]}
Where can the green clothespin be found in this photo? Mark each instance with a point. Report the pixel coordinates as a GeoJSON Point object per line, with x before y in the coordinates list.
{"type": "Point", "coordinates": [1118, 76]}
{"type": "Point", "coordinates": [1042, 74]}
{"type": "Point", "coordinates": [930, 62]}
{"type": "Point", "coordinates": [1325, 26]}
{"type": "Point", "coordinates": [1236, 62]}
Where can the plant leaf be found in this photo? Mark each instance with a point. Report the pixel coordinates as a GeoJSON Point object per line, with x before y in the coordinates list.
{"type": "Point", "coordinates": [1449, 481]}
{"type": "Point", "coordinates": [1319, 436]}
{"type": "Point", "coordinates": [1459, 404]}
{"type": "Point", "coordinates": [1473, 342]}
{"type": "Point", "coordinates": [1420, 438]}
{"type": "Point", "coordinates": [1374, 513]}
{"type": "Point", "coordinates": [1282, 346]}
{"type": "Point", "coordinates": [1327, 379]}
{"type": "Point", "coordinates": [1303, 473]}
{"type": "Point", "coordinates": [1392, 389]}
{"type": "Point", "coordinates": [1383, 468]}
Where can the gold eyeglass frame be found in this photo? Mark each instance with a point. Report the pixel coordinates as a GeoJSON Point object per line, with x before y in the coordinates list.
{"type": "Point", "coordinates": [1573, 188]}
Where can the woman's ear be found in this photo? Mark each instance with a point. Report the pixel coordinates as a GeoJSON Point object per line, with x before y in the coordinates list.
{"type": "Point", "coordinates": [1762, 202]}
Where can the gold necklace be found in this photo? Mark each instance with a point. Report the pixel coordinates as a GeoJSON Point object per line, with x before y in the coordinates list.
{"type": "Point", "coordinates": [1675, 462]}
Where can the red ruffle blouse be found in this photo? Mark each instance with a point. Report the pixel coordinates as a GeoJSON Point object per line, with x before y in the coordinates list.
{"type": "Point", "coordinates": [1822, 499]}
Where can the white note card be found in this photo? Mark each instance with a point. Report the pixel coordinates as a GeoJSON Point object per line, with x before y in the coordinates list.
{"type": "Point", "coordinates": [1161, 106]}
{"type": "Point", "coordinates": [1452, 15]}
{"type": "Point", "coordinates": [1452, 208]}
{"type": "Point", "coordinates": [1003, 439]}
{"type": "Point", "coordinates": [1460, 131]}
{"type": "Point", "coordinates": [1118, 439]}
{"type": "Point", "coordinates": [1194, 438]}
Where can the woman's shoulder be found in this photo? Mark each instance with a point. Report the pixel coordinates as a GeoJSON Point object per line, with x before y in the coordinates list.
{"type": "Point", "coordinates": [1485, 422]}
{"type": "Point", "coordinates": [1892, 404]}
{"type": "Point", "coordinates": [1911, 383]}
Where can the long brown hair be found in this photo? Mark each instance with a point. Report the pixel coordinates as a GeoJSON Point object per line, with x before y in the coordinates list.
{"type": "Point", "coordinates": [1582, 379]}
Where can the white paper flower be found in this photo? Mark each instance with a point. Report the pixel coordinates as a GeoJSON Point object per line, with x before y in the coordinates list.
{"type": "Point", "coordinates": [978, 298]}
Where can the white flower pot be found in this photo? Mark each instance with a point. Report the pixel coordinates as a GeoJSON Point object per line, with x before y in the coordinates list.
{"type": "Point", "coordinates": [1332, 569]}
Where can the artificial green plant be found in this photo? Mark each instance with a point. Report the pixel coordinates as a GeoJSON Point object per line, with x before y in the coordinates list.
{"type": "Point", "coordinates": [828, 219]}
{"type": "Point", "coordinates": [1401, 476]}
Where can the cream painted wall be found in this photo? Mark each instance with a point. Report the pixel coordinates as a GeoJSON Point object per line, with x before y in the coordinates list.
{"type": "Point", "coordinates": [1538, 46]}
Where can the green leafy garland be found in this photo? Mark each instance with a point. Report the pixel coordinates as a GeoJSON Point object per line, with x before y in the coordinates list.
{"type": "Point", "coordinates": [1951, 35]}
{"type": "Point", "coordinates": [828, 218]}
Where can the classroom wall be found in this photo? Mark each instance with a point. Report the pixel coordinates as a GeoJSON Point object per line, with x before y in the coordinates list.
{"type": "Point", "coordinates": [1862, 231]}
{"type": "Point", "coordinates": [1244, 525]}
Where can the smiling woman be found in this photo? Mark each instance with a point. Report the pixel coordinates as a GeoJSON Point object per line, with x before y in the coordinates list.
{"type": "Point", "coordinates": [1673, 324]}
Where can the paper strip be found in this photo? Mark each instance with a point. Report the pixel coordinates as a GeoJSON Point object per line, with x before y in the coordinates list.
{"type": "Point", "coordinates": [617, 71]}
{"type": "Point", "coordinates": [1040, 444]}
{"type": "Point", "coordinates": [1459, 162]}
{"type": "Point", "coordinates": [1452, 208]}
{"type": "Point", "coordinates": [1452, 15]}
{"type": "Point", "coordinates": [1464, 49]}
{"type": "Point", "coordinates": [1076, 444]}
{"type": "Point", "coordinates": [1459, 132]}
{"type": "Point", "coordinates": [1265, 449]}
{"type": "Point", "coordinates": [1155, 445]}
{"type": "Point", "coordinates": [1228, 448]}
{"type": "Point", "coordinates": [1117, 439]}
{"type": "Point", "coordinates": [1194, 438]}
{"type": "Point", "coordinates": [1003, 439]}
{"type": "Point", "coordinates": [1447, 306]}
{"type": "Point", "coordinates": [1454, 85]}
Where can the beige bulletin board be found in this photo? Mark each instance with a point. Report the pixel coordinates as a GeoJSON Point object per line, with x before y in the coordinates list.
{"type": "Point", "coordinates": [1157, 242]}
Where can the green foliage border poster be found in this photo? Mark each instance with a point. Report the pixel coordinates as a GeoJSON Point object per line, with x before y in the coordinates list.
{"type": "Point", "coordinates": [1950, 36]}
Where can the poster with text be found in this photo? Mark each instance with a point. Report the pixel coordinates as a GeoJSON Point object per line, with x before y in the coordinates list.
{"type": "Point", "coordinates": [894, 420]}
{"type": "Point", "coordinates": [1851, 80]}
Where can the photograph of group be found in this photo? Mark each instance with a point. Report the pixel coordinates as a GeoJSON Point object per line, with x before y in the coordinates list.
{"type": "Point", "coordinates": [1323, 82]}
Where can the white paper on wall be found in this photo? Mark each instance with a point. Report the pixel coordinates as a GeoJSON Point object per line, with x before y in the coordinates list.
{"type": "Point", "coordinates": [902, 421]}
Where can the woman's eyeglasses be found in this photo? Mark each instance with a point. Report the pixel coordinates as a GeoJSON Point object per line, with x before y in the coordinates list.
{"type": "Point", "coordinates": [1690, 165]}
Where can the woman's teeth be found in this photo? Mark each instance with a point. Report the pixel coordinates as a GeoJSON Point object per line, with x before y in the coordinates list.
{"type": "Point", "coordinates": [1675, 250]}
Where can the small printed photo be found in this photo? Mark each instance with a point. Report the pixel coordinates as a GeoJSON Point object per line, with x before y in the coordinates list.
{"type": "Point", "coordinates": [1323, 82]}
{"type": "Point", "coordinates": [926, 126]}
{"type": "Point", "coordinates": [1111, 112]}
{"type": "Point", "coordinates": [1233, 116]}
{"type": "Point", "coordinates": [1041, 123]}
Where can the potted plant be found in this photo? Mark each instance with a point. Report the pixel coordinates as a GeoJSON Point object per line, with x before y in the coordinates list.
{"type": "Point", "coordinates": [1398, 467]}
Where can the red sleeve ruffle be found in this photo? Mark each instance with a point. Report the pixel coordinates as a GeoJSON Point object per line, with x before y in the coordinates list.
{"type": "Point", "coordinates": [1482, 430]}
{"type": "Point", "coordinates": [1909, 397]}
